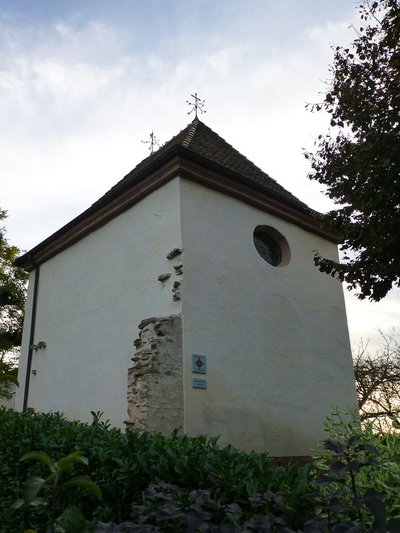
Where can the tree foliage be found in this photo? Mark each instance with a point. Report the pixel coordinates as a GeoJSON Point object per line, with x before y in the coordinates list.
{"type": "Point", "coordinates": [358, 160]}
{"type": "Point", "coordinates": [12, 302]}
{"type": "Point", "coordinates": [378, 385]}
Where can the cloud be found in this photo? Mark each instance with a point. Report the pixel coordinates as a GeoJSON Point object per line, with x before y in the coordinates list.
{"type": "Point", "coordinates": [79, 93]}
{"type": "Point", "coordinates": [366, 319]}
{"type": "Point", "coordinates": [77, 104]}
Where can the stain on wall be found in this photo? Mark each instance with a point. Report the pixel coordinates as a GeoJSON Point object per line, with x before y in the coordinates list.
{"type": "Point", "coordinates": [155, 380]}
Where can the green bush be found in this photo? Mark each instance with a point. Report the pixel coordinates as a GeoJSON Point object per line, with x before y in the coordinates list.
{"type": "Point", "coordinates": [47, 495]}
{"type": "Point", "coordinates": [154, 483]}
{"type": "Point", "coordinates": [386, 478]}
{"type": "Point", "coordinates": [358, 476]}
{"type": "Point", "coordinates": [123, 465]}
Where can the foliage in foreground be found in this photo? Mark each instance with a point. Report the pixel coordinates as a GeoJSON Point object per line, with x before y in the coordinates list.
{"type": "Point", "coordinates": [54, 513]}
{"type": "Point", "coordinates": [124, 465]}
{"type": "Point", "coordinates": [152, 483]}
{"type": "Point", "coordinates": [358, 477]}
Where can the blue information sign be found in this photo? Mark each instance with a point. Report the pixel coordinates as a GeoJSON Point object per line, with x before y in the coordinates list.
{"type": "Point", "coordinates": [199, 363]}
{"type": "Point", "coordinates": [198, 383]}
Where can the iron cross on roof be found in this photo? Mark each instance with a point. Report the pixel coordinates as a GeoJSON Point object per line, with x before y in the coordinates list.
{"type": "Point", "coordinates": [153, 142]}
{"type": "Point", "coordinates": [197, 105]}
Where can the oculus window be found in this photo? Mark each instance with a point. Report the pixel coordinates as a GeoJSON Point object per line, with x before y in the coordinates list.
{"type": "Point", "coordinates": [271, 246]}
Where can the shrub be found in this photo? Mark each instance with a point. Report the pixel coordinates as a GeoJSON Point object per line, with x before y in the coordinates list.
{"type": "Point", "coordinates": [358, 478]}
{"type": "Point", "coordinates": [155, 483]}
{"type": "Point", "coordinates": [123, 465]}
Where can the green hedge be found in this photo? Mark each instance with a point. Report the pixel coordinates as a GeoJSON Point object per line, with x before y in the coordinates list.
{"type": "Point", "coordinates": [124, 464]}
{"type": "Point", "coordinates": [154, 483]}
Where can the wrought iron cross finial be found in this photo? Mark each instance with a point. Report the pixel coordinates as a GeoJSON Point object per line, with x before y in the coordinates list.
{"type": "Point", "coordinates": [153, 142]}
{"type": "Point", "coordinates": [197, 105]}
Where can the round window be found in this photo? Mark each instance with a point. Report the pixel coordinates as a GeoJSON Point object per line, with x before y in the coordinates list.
{"type": "Point", "coordinates": [271, 246]}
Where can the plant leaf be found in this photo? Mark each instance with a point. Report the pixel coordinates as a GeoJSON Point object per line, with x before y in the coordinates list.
{"type": "Point", "coordinates": [43, 457]}
{"type": "Point", "coordinates": [32, 486]}
{"type": "Point", "coordinates": [339, 469]}
{"type": "Point", "coordinates": [9, 378]}
{"type": "Point", "coordinates": [321, 481]}
{"type": "Point", "coordinates": [17, 504]}
{"type": "Point", "coordinates": [375, 504]}
{"type": "Point", "coordinates": [38, 502]}
{"type": "Point", "coordinates": [334, 445]}
{"type": "Point", "coordinates": [72, 520]}
{"type": "Point", "coordinates": [369, 448]}
{"type": "Point", "coordinates": [66, 463]}
{"type": "Point", "coordinates": [9, 512]}
{"type": "Point", "coordinates": [84, 483]}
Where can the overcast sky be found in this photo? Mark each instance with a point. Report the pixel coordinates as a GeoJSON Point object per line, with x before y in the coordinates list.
{"type": "Point", "coordinates": [82, 83]}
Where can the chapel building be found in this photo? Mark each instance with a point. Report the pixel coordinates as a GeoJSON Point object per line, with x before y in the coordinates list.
{"type": "Point", "coordinates": [187, 297]}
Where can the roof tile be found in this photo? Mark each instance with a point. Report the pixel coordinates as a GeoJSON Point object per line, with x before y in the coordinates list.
{"type": "Point", "coordinates": [203, 141]}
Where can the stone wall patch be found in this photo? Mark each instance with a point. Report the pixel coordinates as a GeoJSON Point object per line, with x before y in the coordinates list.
{"type": "Point", "coordinates": [155, 380]}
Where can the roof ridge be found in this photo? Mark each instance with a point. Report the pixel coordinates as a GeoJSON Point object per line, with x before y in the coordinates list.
{"type": "Point", "coordinates": [228, 156]}
{"type": "Point", "coordinates": [192, 130]}
{"type": "Point", "coordinates": [201, 140]}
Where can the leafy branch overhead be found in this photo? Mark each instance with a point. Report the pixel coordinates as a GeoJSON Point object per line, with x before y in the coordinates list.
{"type": "Point", "coordinates": [358, 160]}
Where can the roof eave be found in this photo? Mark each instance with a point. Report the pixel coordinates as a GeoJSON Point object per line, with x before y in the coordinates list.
{"type": "Point", "coordinates": [181, 161]}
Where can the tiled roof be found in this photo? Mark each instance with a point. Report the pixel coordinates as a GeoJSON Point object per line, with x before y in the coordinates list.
{"type": "Point", "coordinates": [204, 142]}
{"type": "Point", "coordinates": [198, 145]}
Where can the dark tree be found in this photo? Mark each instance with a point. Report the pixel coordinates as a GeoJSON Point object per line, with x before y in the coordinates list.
{"type": "Point", "coordinates": [12, 302]}
{"type": "Point", "coordinates": [358, 160]}
{"type": "Point", "coordinates": [378, 385]}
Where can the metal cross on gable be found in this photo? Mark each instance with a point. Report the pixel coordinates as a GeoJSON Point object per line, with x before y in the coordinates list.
{"type": "Point", "coordinates": [197, 105]}
{"type": "Point", "coordinates": [153, 142]}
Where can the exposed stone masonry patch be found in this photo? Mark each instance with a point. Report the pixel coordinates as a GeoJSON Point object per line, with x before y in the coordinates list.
{"type": "Point", "coordinates": [176, 291]}
{"type": "Point", "coordinates": [174, 253]}
{"type": "Point", "coordinates": [155, 380]}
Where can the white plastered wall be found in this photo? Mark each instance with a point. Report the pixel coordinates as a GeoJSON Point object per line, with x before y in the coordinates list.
{"type": "Point", "coordinates": [275, 338]}
{"type": "Point", "coordinates": [91, 299]}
